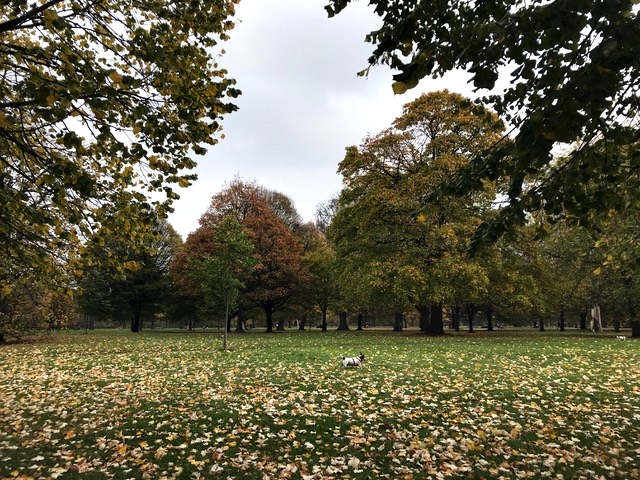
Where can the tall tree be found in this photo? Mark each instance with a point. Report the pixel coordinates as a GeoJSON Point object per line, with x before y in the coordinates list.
{"type": "Point", "coordinates": [617, 254]}
{"type": "Point", "coordinates": [100, 101]}
{"type": "Point", "coordinates": [279, 272]}
{"type": "Point", "coordinates": [325, 212]}
{"type": "Point", "coordinates": [321, 263]}
{"type": "Point", "coordinates": [390, 244]}
{"type": "Point", "coordinates": [512, 284]}
{"type": "Point", "coordinates": [569, 70]}
{"type": "Point", "coordinates": [142, 283]}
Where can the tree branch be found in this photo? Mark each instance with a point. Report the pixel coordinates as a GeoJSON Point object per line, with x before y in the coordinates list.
{"type": "Point", "coordinates": [16, 23]}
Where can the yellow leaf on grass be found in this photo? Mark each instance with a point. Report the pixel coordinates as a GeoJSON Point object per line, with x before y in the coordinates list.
{"type": "Point", "coordinates": [604, 439]}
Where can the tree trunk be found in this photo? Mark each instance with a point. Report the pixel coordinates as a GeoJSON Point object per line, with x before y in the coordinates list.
{"type": "Point", "coordinates": [635, 322]}
{"type": "Point", "coordinates": [425, 317]}
{"type": "Point", "coordinates": [268, 311]}
{"type": "Point", "coordinates": [456, 313]}
{"type": "Point", "coordinates": [583, 320]}
{"type": "Point", "coordinates": [226, 328]}
{"type": "Point", "coordinates": [436, 326]}
{"type": "Point", "coordinates": [360, 316]}
{"type": "Point", "coordinates": [2, 339]}
{"type": "Point", "coordinates": [343, 325]}
{"type": "Point", "coordinates": [635, 328]}
{"type": "Point", "coordinates": [489, 313]}
{"type": "Point", "coordinates": [616, 324]}
{"type": "Point", "coordinates": [324, 318]}
{"type": "Point", "coordinates": [561, 321]}
{"type": "Point", "coordinates": [596, 319]}
{"type": "Point", "coordinates": [135, 322]}
{"type": "Point", "coordinates": [541, 324]}
{"type": "Point", "coordinates": [397, 324]}
{"type": "Point", "coordinates": [303, 321]}
{"type": "Point", "coordinates": [242, 317]}
{"type": "Point", "coordinates": [471, 313]}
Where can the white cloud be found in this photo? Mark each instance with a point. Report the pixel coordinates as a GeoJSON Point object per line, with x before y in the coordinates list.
{"type": "Point", "coordinates": [302, 103]}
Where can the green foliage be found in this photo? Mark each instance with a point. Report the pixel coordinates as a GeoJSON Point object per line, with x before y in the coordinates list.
{"type": "Point", "coordinates": [140, 283]}
{"type": "Point", "coordinates": [320, 260]}
{"type": "Point", "coordinates": [20, 302]}
{"type": "Point", "coordinates": [29, 303]}
{"type": "Point", "coordinates": [394, 249]}
{"type": "Point", "coordinates": [570, 71]}
{"type": "Point", "coordinates": [221, 274]}
{"type": "Point", "coordinates": [100, 102]}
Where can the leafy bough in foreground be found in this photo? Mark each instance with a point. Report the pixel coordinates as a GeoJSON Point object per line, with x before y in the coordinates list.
{"type": "Point", "coordinates": [571, 72]}
{"type": "Point", "coordinates": [100, 101]}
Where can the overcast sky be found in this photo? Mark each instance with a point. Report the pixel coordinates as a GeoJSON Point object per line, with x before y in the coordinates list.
{"type": "Point", "coordinates": [302, 103]}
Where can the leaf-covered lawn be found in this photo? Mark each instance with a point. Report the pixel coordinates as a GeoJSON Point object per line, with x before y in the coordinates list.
{"type": "Point", "coordinates": [172, 405]}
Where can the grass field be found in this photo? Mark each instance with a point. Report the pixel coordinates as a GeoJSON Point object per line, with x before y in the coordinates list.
{"type": "Point", "coordinates": [172, 405]}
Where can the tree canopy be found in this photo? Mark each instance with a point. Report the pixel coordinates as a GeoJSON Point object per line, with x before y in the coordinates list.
{"type": "Point", "coordinates": [100, 104]}
{"type": "Point", "coordinates": [279, 272]}
{"type": "Point", "coordinates": [393, 251]}
{"type": "Point", "coordinates": [571, 71]}
{"type": "Point", "coordinates": [139, 291]}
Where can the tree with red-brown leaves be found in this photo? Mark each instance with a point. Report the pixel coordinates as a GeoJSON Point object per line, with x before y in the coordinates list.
{"type": "Point", "coordinates": [279, 272]}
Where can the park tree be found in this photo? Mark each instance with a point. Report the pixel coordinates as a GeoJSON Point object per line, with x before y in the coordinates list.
{"type": "Point", "coordinates": [567, 73]}
{"type": "Point", "coordinates": [29, 303]}
{"type": "Point", "coordinates": [583, 255]}
{"type": "Point", "coordinates": [284, 207]}
{"type": "Point", "coordinates": [57, 310]}
{"type": "Point", "coordinates": [616, 265]}
{"type": "Point", "coordinates": [279, 273]}
{"type": "Point", "coordinates": [221, 274]}
{"type": "Point", "coordinates": [325, 212]}
{"type": "Point", "coordinates": [102, 105]}
{"type": "Point", "coordinates": [401, 252]}
{"type": "Point", "coordinates": [140, 286]}
{"type": "Point", "coordinates": [323, 288]}
{"type": "Point", "coordinates": [319, 292]}
{"type": "Point", "coordinates": [566, 283]}
{"type": "Point", "coordinates": [19, 306]}
{"type": "Point", "coordinates": [511, 287]}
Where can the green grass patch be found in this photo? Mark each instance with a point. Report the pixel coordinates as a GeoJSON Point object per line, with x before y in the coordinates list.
{"type": "Point", "coordinates": [506, 404]}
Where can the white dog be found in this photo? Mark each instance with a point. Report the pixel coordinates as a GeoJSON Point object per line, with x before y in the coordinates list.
{"type": "Point", "coordinates": [621, 337]}
{"type": "Point", "coordinates": [353, 361]}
